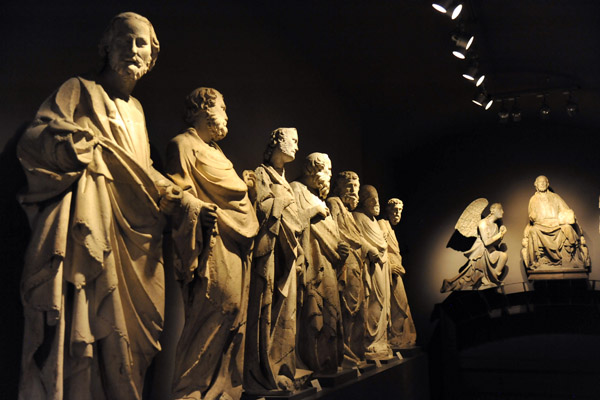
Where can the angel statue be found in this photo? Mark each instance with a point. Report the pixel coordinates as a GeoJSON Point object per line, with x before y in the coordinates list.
{"type": "Point", "coordinates": [486, 265]}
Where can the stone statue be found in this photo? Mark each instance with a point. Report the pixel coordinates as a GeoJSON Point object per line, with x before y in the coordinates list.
{"type": "Point", "coordinates": [402, 331]}
{"type": "Point", "coordinates": [213, 233]}
{"type": "Point", "coordinates": [553, 238]}
{"type": "Point", "coordinates": [377, 276]}
{"type": "Point", "coordinates": [270, 361]}
{"type": "Point", "coordinates": [486, 266]}
{"type": "Point", "coordinates": [93, 282]}
{"type": "Point", "coordinates": [321, 345]}
{"type": "Point", "coordinates": [351, 276]}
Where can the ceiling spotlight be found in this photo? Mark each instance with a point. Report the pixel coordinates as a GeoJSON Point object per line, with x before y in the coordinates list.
{"type": "Point", "coordinates": [463, 43]}
{"type": "Point", "coordinates": [463, 40]}
{"type": "Point", "coordinates": [449, 7]}
{"type": "Point", "coordinates": [515, 113]}
{"type": "Point", "coordinates": [473, 74]}
{"type": "Point", "coordinates": [571, 106]}
{"type": "Point", "coordinates": [503, 114]}
{"type": "Point", "coordinates": [544, 109]}
{"type": "Point", "coordinates": [482, 99]}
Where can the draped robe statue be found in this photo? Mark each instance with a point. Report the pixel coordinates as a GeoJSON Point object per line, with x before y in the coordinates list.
{"type": "Point", "coordinates": [270, 362]}
{"type": "Point", "coordinates": [377, 276]}
{"type": "Point", "coordinates": [351, 275]}
{"type": "Point", "coordinates": [402, 331]}
{"type": "Point", "coordinates": [93, 282]}
{"type": "Point", "coordinates": [553, 238]}
{"type": "Point", "coordinates": [212, 261]}
{"type": "Point", "coordinates": [321, 345]}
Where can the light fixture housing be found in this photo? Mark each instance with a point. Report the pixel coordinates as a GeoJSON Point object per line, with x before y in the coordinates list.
{"type": "Point", "coordinates": [472, 73]}
{"type": "Point", "coordinates": [503, 114]}
{"type": "Point", "coordinates": [544, 109]}
{"type": "Point", "coordinates": [482, 99]}
{"type": "Point", "coordinates": [571, 106]}
{"type": "Point", "coordinates": [451, 8]}
{"type": "Point", "coordinates": [515, 112]}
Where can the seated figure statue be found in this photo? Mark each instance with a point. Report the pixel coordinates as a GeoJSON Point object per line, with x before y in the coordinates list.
{"type": "Point", "coordinates": [486, 265]}
{"type": "Point", "coordinates": [553, 239]}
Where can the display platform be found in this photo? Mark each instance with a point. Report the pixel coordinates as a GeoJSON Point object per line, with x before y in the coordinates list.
{"type": "Point", "coordinates": [548, 274]}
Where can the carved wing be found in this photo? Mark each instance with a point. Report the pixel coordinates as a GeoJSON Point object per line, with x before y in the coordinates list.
{"type": "Point", "coordinates": [469, 219]}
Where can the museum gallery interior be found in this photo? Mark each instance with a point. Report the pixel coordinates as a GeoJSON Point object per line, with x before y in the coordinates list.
{"type": "Point", "coordinates": [300, 200]}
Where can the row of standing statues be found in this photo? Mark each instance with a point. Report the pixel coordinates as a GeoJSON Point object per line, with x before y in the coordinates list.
{"type": "Point", "coordinates": [553, 244]}
{"type": "Point", "coordinates": [279, 280]}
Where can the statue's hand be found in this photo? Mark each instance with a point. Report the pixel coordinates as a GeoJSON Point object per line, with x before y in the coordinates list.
{"type": "Point", "coordinates": [397, 269]}
{"type": "Point", "coordinates": [250, 180]}
{"type": "Point", "coordinates": [170, 196]}
{"type": "Point", "coordinates": [322, 211]}
{"type": "Point", "coordinates": [343, 250]}
{"type": "Point", "coordinates": [208, 215]}
{"type": "Point", "coordinates": [503, 230]}
{"type": "Point", "coordinates": [374, 257]}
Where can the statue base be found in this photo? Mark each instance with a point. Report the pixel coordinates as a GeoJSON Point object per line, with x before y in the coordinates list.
{"type": "Point", "coordinates": [336, 379]}
{"type": "Point", "coordinates": [557, 273]}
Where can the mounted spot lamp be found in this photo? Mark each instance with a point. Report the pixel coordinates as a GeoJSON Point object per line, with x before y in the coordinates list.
{"type": "Point", "coordinates": [451, 8]}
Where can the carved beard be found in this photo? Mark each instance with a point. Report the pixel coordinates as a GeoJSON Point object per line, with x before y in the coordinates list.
{"type": "Point", "coordinates": [126, 69]}
{"type": "Point", "coordinates": [322, 182]}
{"type": "Point", "coordinates": [217, 128]}
{"type": "Point", "coordinates": [350, 199]}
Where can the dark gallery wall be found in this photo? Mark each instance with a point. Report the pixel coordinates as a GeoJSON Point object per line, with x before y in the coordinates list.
{"type": "Point", "coordinates": [396, 122]}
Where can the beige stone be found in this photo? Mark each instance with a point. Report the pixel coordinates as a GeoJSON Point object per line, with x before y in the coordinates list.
{"type": "Point", "coordinates": [402, 332]}
{"type": "Point", "coordinates": [487, 257]}
{"type": "Point", "coordinates": [270, 361]}
{"type": "Point", "coordinates": [320, 341]}
{"type": "Point", "coordinates": [213, 233]}
{"type": "Point", "coordinates": [378, 286]}
{"type": "Point", "coordinates": [553, 239]}
{"type": "Point", "coordinates": [93, 281]}
{"type": "Point", "coordinates": [351, 275]}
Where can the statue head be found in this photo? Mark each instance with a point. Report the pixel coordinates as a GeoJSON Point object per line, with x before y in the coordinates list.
{"type": "Point", "coordinates": [205, 111]}
{"type": "Point", "coordinates": [541, 183]}
{"type": "Point", "coordinates": [496, 210]}
{"type": "Point", "coordinates": [346, 187]}
{"type": "Point", "coordinates": [282, 143]}
{"type": "Point", "coordinates": [393, 210]}
{"type": "Point", "coordinates": [129, 45]}
{"type": "Point", "coordinates": [368, 200]}
{"type": "Point", "coordinates": [316, 173]}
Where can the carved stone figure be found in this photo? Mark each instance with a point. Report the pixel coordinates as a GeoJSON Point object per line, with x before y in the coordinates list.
{"type": "Point", "coordinates": [402, 331]}
{"type": "Point", "coordinates": [486, 266]}
{"type": "Point", "coordinates": [351, 275]}
{"type": "Point", "coordinates": [270, 362]}
{"type": "Point", "coordinates": [213, 234]}
{"type": "Point", "coordinates": [93, 281]}
{"type": "Point", "coordinates": [553, 238]}
{"type": "Point", "coordinates": [378, 284]}
{"type": "Point", "coordinates": [320, 341]}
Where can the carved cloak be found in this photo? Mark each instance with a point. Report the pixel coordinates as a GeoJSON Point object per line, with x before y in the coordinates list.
{"type": "Point", "coordinates": [321, 343]}
{"type": "Point", "coordinates": [270, 362]}
{"type": "Point", "coordinates": [213, 268]}
{"type": "Point", "coordinates": [93, 282]}
{"type": "Point", "coordinates": [402, 331]}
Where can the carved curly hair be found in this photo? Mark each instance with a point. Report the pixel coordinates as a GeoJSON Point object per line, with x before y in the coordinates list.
{"type": "Point", "coordinates": [199, 99]}
{"type": "Point", "coordinates": [276, 136]}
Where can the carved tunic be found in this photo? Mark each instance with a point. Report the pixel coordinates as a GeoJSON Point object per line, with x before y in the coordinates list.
{"type": "Point", "coordinates": [213, 267]}
{"type": "Point", "coordinates": [93, 282]}
{"type": "Point", "coordinates": [351, 281]}
{"type": "Point", "coordinates": [321, 344]}
{"type": "Point", "coordinates": [378, 290]}
{"type": "Point", "coordinates": [270, 362]}
{"type": "Point", "coordinates": [402, 331]}
{"type": "Point", "coordinates": [551, 241]}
